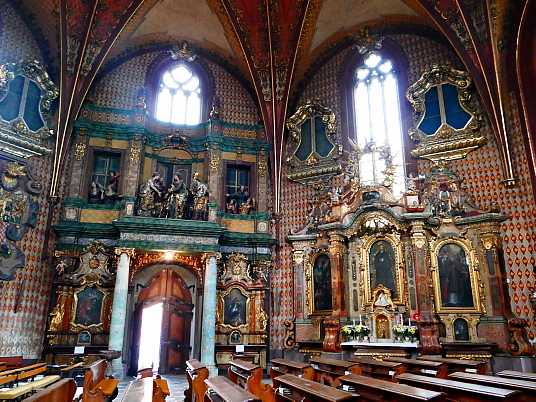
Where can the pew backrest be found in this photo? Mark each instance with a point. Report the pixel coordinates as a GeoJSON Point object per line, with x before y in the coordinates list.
{"type": "Point", "coordinates": [196, 373]}
{"type": "Point", "coordinates": [382, 370]}
{"type": "Point", "coordinates": [282, 366]}
{"type": "Point", "coordinates": [61, 391]}
{"type": "Point", "coordinates": [421, 367]}
{"type": "Point", "coordinates": [382, 390]}
{"type": "Point", "coordinates": [453, 365]}
{"type": "Point", "coordinates": [460, 391]}
{"type": "Point", "coordinates": [527, 387]}
{"type": "Point", "coordinates": [520, 375]}
{"type": "Point", "coordinates": [222, 389]}
{"type": "Point", "coordinates": [298, 389]}
{"type": "Point", "coordinates": [12, 361]}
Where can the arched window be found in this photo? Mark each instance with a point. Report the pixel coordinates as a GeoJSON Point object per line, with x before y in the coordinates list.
{"type": "Point", "coordinates": [178, 98]}
{"type": "Point", "coordinates": [378, 129]}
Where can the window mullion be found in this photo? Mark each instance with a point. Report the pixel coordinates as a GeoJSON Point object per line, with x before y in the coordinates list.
{"type": "Point", "coordinates": [371, 140]}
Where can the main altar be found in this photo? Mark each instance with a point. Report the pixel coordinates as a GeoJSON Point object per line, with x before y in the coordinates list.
{"type": "Point", "coordinates": [422, 273]}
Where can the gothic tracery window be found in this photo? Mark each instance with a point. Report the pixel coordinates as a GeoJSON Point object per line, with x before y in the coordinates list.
{"type": "Point", "coordinates": [178, 98]}
{"type": "Point", "coordinates": [378, 134]}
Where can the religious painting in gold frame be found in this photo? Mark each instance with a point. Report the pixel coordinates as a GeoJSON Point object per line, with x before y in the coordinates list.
{"type": "Point", "coordinates": [319, 285]}
{"type": "Point", "coordinates": [382, 265]}
{"type": "Point", "coordinates": [89, 304]}
{"type": "Point", "coordinates": [235, 308]}
{"type": "Point", "coordinates": [455, 276]}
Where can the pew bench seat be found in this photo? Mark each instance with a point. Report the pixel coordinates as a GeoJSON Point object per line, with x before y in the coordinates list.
{"type": "Point", "coordinates": [372, 389]}
{"type": "Point", "coordinates": [108, 386]}
{"type": "Point", "coordinates": [16, 393]}
{"type": "Point", "coordinates": [163, 384]}
{"type": "Point", "coordinates": [44, 382]}
{"type": "Point", "coordinates": [460, 391]}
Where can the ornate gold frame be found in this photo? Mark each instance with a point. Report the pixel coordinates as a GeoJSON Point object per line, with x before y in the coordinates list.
{"type": "Point", "coordinates": [96, 327]}
{"type": "Point", "coordinates": [447, 143]}
{"type": "Point", "coordinates": [222, 309]}
{"type": "Point", "coordinates": [367, 294]}
{"type": "Point", "coordinates": [474, 273]}
{"type": "Point", "coordinates": [315, 168]}
{"type": "Point", "coordinates": [310, 283]}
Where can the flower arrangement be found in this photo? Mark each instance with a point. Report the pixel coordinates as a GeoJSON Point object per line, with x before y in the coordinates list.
{"type": "Point", "coordinates": [399, 329]}
{"type": "Point", "coordinates": [411, 331]}
{"type": "Point", "coordinates": [356, 331]}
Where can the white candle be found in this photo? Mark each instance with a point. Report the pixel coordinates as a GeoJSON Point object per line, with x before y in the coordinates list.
{"type": "Point", "coordinates": [409, 322]}
{"type": "Point", "coordinates": [360, 322]}
{"type": "Point", "coordinates": [354, 323]}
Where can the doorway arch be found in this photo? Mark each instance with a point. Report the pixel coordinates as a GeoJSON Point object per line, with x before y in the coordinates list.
{"type": "Point", "coordinates": [172, 287]}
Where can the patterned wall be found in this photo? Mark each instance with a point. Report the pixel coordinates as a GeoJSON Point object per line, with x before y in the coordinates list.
{"type": "Point", "coordinates": [481, 171]}
{"type": "Point", "coordinates": [119, 90]}
{"type": "Point", "coordinates": [17, 41]}
{"type": "Point", "coordinates": [22, 332]}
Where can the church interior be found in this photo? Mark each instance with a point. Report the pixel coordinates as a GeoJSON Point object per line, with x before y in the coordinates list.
{"type": "Point", "coordinates": [201, 182]}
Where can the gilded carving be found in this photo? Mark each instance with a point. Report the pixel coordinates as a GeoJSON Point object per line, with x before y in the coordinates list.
{"type": "Point", "coordinates": [262, 163]}
{"type": "Point", "coordinates": [451, 139]}
{"type": "Point", "coordinates": [135, 150]}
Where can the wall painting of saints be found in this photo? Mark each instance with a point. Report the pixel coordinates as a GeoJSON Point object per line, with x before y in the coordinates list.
{"type": "Point", "coordinates": [235, 308]}
{"type": "Point", "coordinates": [382, 264]}
{"type": "Point", "coordinates": [454, 276]}
{"type": "Point", "coordinates": [322, 283]}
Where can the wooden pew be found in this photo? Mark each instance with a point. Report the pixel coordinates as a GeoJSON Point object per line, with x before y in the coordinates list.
{"type": "Point", "coordinates": [249, 376]}
{"type": "Point", "coordinates": [143, 389]}
{"type": "Point", "coordinates": [371, 389]}
{"type": "Point", "coordinates": [528, 388]}
{"type": "Point", "coordinates": [293, 388]}
{"type": "Point", "coordinates": [222, 389]}
{"type": "Point", "coordinates": [196, 373]}
{"type": "Point", "coordinates": [8, 381]}
{"type": "Point", "coordinates": [96, 387]}
{"type": "Point", "coordinates": [61, 391]}
{"type": "Point", "coordinates": [454, 365]}
{"type": "Point", "coordinates": [12, 361]}
{"type": "Point", "coordinates": [282, 366]}
{"type": "Point", "coordinates": [380, 370]}
{"type": "Point", "coordinates": [162, 384]}
{"type": "Point", "coordinates": [3, 366]}
{"type": "Point", "coordinates": [16, 393]}
{"type": "Point", "coordinates": [460, 391]}
{"type": "Point", "coordinates": [24, 369]}
{"type": "Point", "coordinates": [421, 367]}
{"type": "Point", "coordinates": [520, 375]}
{"type": "Point", "coordinates": [71, 371]}
{"type": "Point", "coordinates": [29, 375]}
{"type": "Point", "coordinates": [329, 370]}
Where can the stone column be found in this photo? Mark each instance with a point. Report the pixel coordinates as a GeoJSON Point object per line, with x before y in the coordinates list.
{"type": "Point", "coordinates": [208, 340]}
{"type": "Point", "coordinates": [119, 308]}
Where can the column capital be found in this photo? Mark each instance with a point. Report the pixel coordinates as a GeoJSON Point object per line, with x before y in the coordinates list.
{"type": "Point", "coordinates": [213, 254]}
{"type": "Point", "coordinates": [125, 250]}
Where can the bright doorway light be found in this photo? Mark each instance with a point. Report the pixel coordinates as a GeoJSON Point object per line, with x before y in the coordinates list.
{"type": "Point", "coordinates": [151, 328]}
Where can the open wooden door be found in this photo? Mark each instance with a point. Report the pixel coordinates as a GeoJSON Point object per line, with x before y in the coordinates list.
{"type": "Point", "coordinates": [169, 288]}
{"type": "Point", "coordinates": [176, 323]}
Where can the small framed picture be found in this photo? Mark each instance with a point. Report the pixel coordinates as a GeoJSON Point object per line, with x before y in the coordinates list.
{"type": "Point", "coordinates": [235, 338]}
{"type": "Point", "coordinates": [84, 338]}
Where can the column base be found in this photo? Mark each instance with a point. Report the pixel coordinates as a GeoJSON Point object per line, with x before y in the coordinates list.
{"type": "Point", "coordinates": [212, 369]}
{"type": "Point", "coordinates": [118, 369]}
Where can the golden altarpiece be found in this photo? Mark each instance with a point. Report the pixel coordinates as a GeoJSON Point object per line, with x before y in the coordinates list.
{"type": "Point", "coordinates": [241, 318]}
{"type": "Point", "coordinates": [432, 259]}
{"type": "Point", "coordinates": [83, 285]}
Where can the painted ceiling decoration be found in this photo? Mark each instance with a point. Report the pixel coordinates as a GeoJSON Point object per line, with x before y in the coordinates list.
{"type": "Point", "coordinates": [272, 42]}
